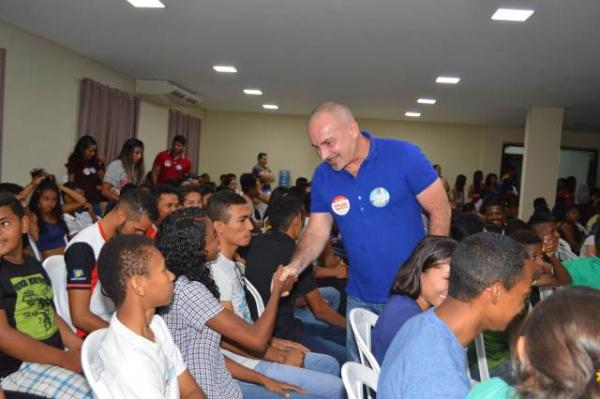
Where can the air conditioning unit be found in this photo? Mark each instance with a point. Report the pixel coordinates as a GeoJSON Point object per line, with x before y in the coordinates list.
{"type": "Point", "coordinates": [165, 92]}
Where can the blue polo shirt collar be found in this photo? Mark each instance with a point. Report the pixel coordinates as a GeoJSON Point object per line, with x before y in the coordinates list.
{"type": "Point", "coordinates": [372, 146]}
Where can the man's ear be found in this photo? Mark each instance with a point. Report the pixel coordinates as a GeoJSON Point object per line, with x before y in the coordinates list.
{"type": "Point", "coordinates": [219, 226]}
{"type": "Point", "coordinates": [496, 291]}
{"type": "Point", "coordinates": [138, 284]}
{"type": "Point", "coordinates": [25, 224]}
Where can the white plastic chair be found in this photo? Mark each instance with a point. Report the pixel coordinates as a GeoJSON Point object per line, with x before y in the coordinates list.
{"type": "Point", "coordinates": [260, 305]}
{"type": "Point", "coordinates": [362, 321]}
{"type": "Point", "coordinates": [484, 372]}
{"type": "Point", "coordinates": [355, 376]}
{"type": "Point", "coordinates": [93, 368]}
{"type": "Point", "coordinates": [36, 252]}
{"type": "Point", "coordinates": [57, 271]}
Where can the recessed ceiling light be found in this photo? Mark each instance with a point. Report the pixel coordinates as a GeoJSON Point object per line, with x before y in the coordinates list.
{"type": "Point", "coordinates": [253, 92]}
{"type": "Point", "coordinates": [426, 101]}
{"type": "Point", "coordinates": [146, 3]}
{"type": "Point", "coordinates": [225, 68]}
{"type": "Point", "coordinates": [512, 15]}
{"type": "Point", "coordinates": [270, 106]}
{"type": "Point", "coordinates": [449, 80]}
{"type": "Point", "coordinates": [413, 114]}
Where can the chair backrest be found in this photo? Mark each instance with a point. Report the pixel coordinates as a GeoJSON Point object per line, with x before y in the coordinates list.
{"type": "Point", "coordinates": [92, 368]}
{"type": "Point", "coordinates": [362, 322]}
{"type": "Point", "coordinates": [260, 305]}
{"type": "Point", "coordinates": [36, 252]}
{"type": "Point", "coordinates": [484, 372]}
{"type": "Point", "coordinates": [355, 377]}
{"type": "Point", "coordinates": [57, 271]}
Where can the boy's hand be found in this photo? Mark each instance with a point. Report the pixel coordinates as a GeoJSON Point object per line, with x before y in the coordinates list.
{"type": "Point", "coordinates": [294, 358]}
{"type": "Point", "coordinates": [281, 388]}
{"type": "Point", "coordinates": [71, 360]}
{"type": "Point", "coordinates": [280, 284]}
{"type": "Point", "coordinates": [549, 245]}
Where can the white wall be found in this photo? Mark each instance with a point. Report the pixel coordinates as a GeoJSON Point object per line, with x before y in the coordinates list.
{"type": "Point", "coordinates": [41, 102]}
{"type": "Point", "coordinates": [40, 122]}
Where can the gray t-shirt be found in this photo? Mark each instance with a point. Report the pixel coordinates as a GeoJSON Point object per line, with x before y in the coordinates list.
{"type": "Point", "coordinates": [192, 306]}
{"type": "Point", "coordinates": [116, 176]}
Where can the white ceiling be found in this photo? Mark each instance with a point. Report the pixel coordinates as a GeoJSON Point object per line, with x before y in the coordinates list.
{"type": "Point", "coordinates": [378, 56]}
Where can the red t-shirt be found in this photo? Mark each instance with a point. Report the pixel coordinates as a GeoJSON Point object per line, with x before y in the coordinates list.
{"type": "Point", "coordinates": [171, 168]}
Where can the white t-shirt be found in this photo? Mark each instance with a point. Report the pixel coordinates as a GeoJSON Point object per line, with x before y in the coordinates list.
{"type": "Point", "coordinates": [82, 269]}
{"type": "Point", "coordinates": [228, 277]}
{"type": "Point", "coordinates": [131, 366]}
{"type": "Point", "coordinates": [76, 223]}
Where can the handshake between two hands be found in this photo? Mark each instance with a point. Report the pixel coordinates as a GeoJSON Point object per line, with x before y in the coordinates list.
{"type": "Point", "coordinates": [284, 279]}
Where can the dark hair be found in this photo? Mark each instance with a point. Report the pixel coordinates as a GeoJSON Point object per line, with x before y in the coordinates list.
{"type": "Point", "coordinates": [77, 156]}
{"type": "Point", "coordinates": [492, 202]}
{"type": "Point", "coordinates": [429, 253]}
{"type": "Point", "coordinates": [282, 211]}
{"type": "Point", "coordinates": [514, 225]}
{"type": "Point", "coordinates": [208, 188]}
{"type": "Point", "coordinates": [477, 179]}
{"type": "Point", "coordinates": [56, 212]}
{"type": "Point", "coordinates": [488, 179]}
{"type": "Point", "coordinates": [121, 258]}
{"type": "Point", "coordinates": [260, 155]}
{"type": "Point", "coordinates": [562, 349]}
{"type": "Point", "coordinates": [464, 225]}
{"type": "Point", "coordinates": [481, 260]}
{"type": "Point", "coordinates": [134, 172]}
{"type": "Point", "coordinates": [525, 237]}
{"type": "Point", "coordinates": [190, 188]}
{"type": "Point", "coordinates": [161, 189]}
{"type": "Point", "coordinates": [219, 203]}
{"type": "Point", "coordinates": [137, 203]}
{"type": "Point", "coordinates": [179, 139]}
{"type": "Point", "coordinates": [540, 204]}
{"type": "Point", "coordinates": [225, 182]}
{"type": "Point", "coordinates": [468, 207]}
{"type": "Point", "coordinates": [459, 183]}
{"type": "Point", "coordinates": [248, 182]}
{"type": "Point", "coordinates": [182, 241]}
{"type": "Point", "coordinates": [279, 192]}
{"type": "Point", "coordinates": [9, 200]}
{"type": "Point", "coordinates": [540, 218]}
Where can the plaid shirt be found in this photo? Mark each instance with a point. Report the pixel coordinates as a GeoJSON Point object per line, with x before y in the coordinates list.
{"type": "Point", "coordinates": [192, 306]}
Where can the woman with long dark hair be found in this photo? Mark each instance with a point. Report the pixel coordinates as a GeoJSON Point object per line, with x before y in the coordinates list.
{"type": "Point", "coordinates": [127, 168]}
{"type": "Point", "coordinates": [476, 188]}
{"type": "Point", "coordinates": [86, 169]}
{"type": "Point", "coordinates": [421, 282]}
{"type": "Point", "coordinates": [457, 194]}
{"type": "Point", "coordinates": [197, 320]}
{"type": "Point", "coordinates": [46, 223]}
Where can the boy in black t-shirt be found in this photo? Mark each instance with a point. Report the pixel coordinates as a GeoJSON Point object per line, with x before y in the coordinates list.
{"type": "Point", "coordinates": [33, 337]}
{"type": "Point", "coordinates": [276, 247]}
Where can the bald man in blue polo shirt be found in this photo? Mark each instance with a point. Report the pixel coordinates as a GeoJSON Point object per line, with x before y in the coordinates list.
{"type": "Point", "coordinates": [374, 189]}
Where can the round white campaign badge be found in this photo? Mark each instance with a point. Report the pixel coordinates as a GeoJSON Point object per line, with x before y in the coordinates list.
{"type": "Point", "coordinates": [93, 170]}
{"type": "Point", "coordinates": [379, 197]}
{"type": "Point", "coordinates": [86, 171]}
{"type": "Point", "coordinates": [167, 163]}
{"type": "Point", "coordinates": [178, 167]}
{"type": "Point", "coordinates": [340, 205]}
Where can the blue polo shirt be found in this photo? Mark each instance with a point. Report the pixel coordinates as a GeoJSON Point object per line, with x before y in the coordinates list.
{"type": "Point", "coordinates": [377, 212]}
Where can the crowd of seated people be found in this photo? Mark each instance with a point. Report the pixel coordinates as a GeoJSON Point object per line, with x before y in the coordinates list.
{"type": "Point", "coordinates": [162, 265]}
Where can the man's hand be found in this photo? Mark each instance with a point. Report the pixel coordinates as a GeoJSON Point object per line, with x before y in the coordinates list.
{"type": "Point", "coordinates": [341, 270]}
{"type": "Point", "coordinates": [550, 245]}
{"type": "Point", "coordinates": [284, 345]}
{"type": "Point", "coordinates": [294, 358]}
{"type": "Point", "coordinates": [280, 284]}
{"type": "Point", "coordinates": [288, 272]}
{"type": "Point", "coordinates": [71, 360]}
{"type": "Point", "coordinates": [281, 388]}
